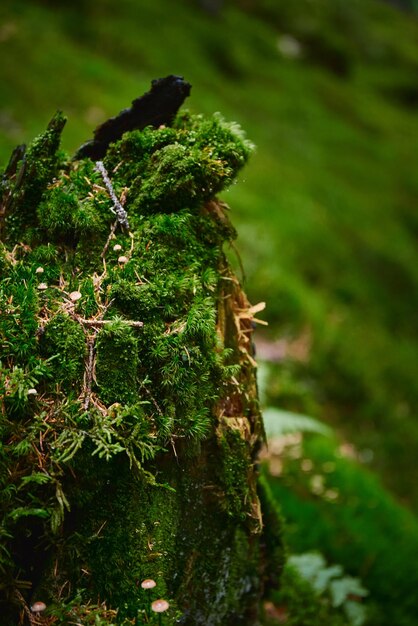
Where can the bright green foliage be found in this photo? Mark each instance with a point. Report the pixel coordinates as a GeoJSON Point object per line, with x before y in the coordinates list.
{"type": "Point", "coordinates": [332, 583]}
{"type": "Point", "coordinates": [301, 605]}
{"type": "Point", "coordinates": [333, 503]}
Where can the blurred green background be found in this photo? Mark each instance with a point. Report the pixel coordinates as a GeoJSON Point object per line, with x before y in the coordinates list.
{"type": "Point", "coordinates": [326, 213]}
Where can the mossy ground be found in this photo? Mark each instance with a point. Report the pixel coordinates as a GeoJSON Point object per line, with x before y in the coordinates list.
{"type": "Point", "coordinates": [330, 502]}
{"type": "Point", "coordinates": [130, 421]}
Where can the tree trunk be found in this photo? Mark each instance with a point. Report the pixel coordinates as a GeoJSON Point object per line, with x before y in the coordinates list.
{"type": "Point", "coordinates": [130, 420]}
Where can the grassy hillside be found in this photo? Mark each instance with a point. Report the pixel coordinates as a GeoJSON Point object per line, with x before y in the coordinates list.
{"type": "Point", "coordinates": [326, 211]}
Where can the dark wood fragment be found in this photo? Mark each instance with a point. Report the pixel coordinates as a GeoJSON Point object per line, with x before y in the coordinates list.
{"type": "Point", "coordinates": [7, 183]}
{"type": "Point", "coordinates": [158, 106]}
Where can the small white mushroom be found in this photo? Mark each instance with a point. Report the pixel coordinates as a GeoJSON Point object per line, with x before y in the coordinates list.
{"type": "Point", "coordinates": [148, 583]}
{"type": "Point", "coordinates": [42, 286]}
{"type": "Point", "coordinates": [75, 295]}
{"type": "Point", "coordinates": [38, 607]}
{"type": "Point", "coordinates": [39, 270]}
{"type": "Point", "coordinates": [123, 259]}
{"type": "Point", "coordinates": [159, 606]}
{"type": "Point", "coordinates": [117, 247]}
{"type": "Point", "coordinates": [32, 392]}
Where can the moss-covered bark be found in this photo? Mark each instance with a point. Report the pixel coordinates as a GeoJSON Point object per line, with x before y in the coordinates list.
{"type": "Point", "coordinates": [129, 419]}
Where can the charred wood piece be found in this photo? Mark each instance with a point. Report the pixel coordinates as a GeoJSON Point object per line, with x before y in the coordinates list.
{"type": "Point", "coordinates": [158, 106]}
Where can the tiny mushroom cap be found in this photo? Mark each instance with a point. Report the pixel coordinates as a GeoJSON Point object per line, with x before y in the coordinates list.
{"type": "Point", "coordinates": [148, 583]}
{"type": "Point", "coordinates": [117, 247]}
{"type": "Point", "coordinates": [42, 286]}
{"type": "Point", "coordinates": [159, 606]}
{"type": "Point", "coordinates": [123, 259]}
{"type": "Point", "coordinates": [75, 295]}
{"type": "Point", "coordinates": [39, 270]}
{"type": "Point", "coordinates": [38, 607]}
{"type": "Point", "coordinates": [32, 392]}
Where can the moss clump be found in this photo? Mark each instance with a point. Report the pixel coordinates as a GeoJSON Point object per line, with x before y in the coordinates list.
{"type": "Point", "coordinates": [19, 304]}
{"type": "Point", "coordinates": [173, 170]}
{"type": "Point", "coordinates": [36, 170]}
{"type": "Point", "coordinates": [62, 217]}
{"type": "Point", "coordinates": [64, 342]}
{"type": "Point", "coordinates": [46, 263]}
{"type": "Point", "coordinates": [147, 439]}
{"type": "Point", "coordinates": [117, 364]}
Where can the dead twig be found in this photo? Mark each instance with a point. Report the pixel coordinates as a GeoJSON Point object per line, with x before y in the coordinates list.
{"type": "Point", "coordinates": [109, 239]}
{"type": "Point", "coordinates": [89, 371]}
{"type": "Point", "coordinates": [121, 214]}
{"type": "Point", "coordinates": [134, 324]}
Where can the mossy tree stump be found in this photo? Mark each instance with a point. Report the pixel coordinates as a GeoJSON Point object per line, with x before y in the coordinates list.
{"type": "Point", "coordinates": [129, 415]}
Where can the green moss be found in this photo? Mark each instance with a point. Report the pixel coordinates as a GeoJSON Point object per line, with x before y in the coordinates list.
{"type": "Point", "coordinates": [235, 470]}
{"type": "Point", "coordinates": [63, 341]}
{"type": "Point", "coordinates": [131, 299]}
{"type": "Point", "coordinates": [4, 262]}
{"type": "Point", "coordinates": [191, 557]}
{"type": "Point", "coordinates": [173, 170]}
{"type": "Point", "coordinates": [129, 417]}
{"type": "Point", "coordinates": [139, 523]}
{"type": "Point", "coordinates": [220, 560]}
{"type": "Point", "coordinates": [62, 217]}
{"type": "Point", "coordinates": [37, 169]}
{"type": "Point", "coordinates": [88, 305]}
{"type": "Point", "coordinates": [20, 307]}
{"type": "Point", "coordinates": [46, 263]}
{"type": "Point", "coordinates": [117, 363]}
